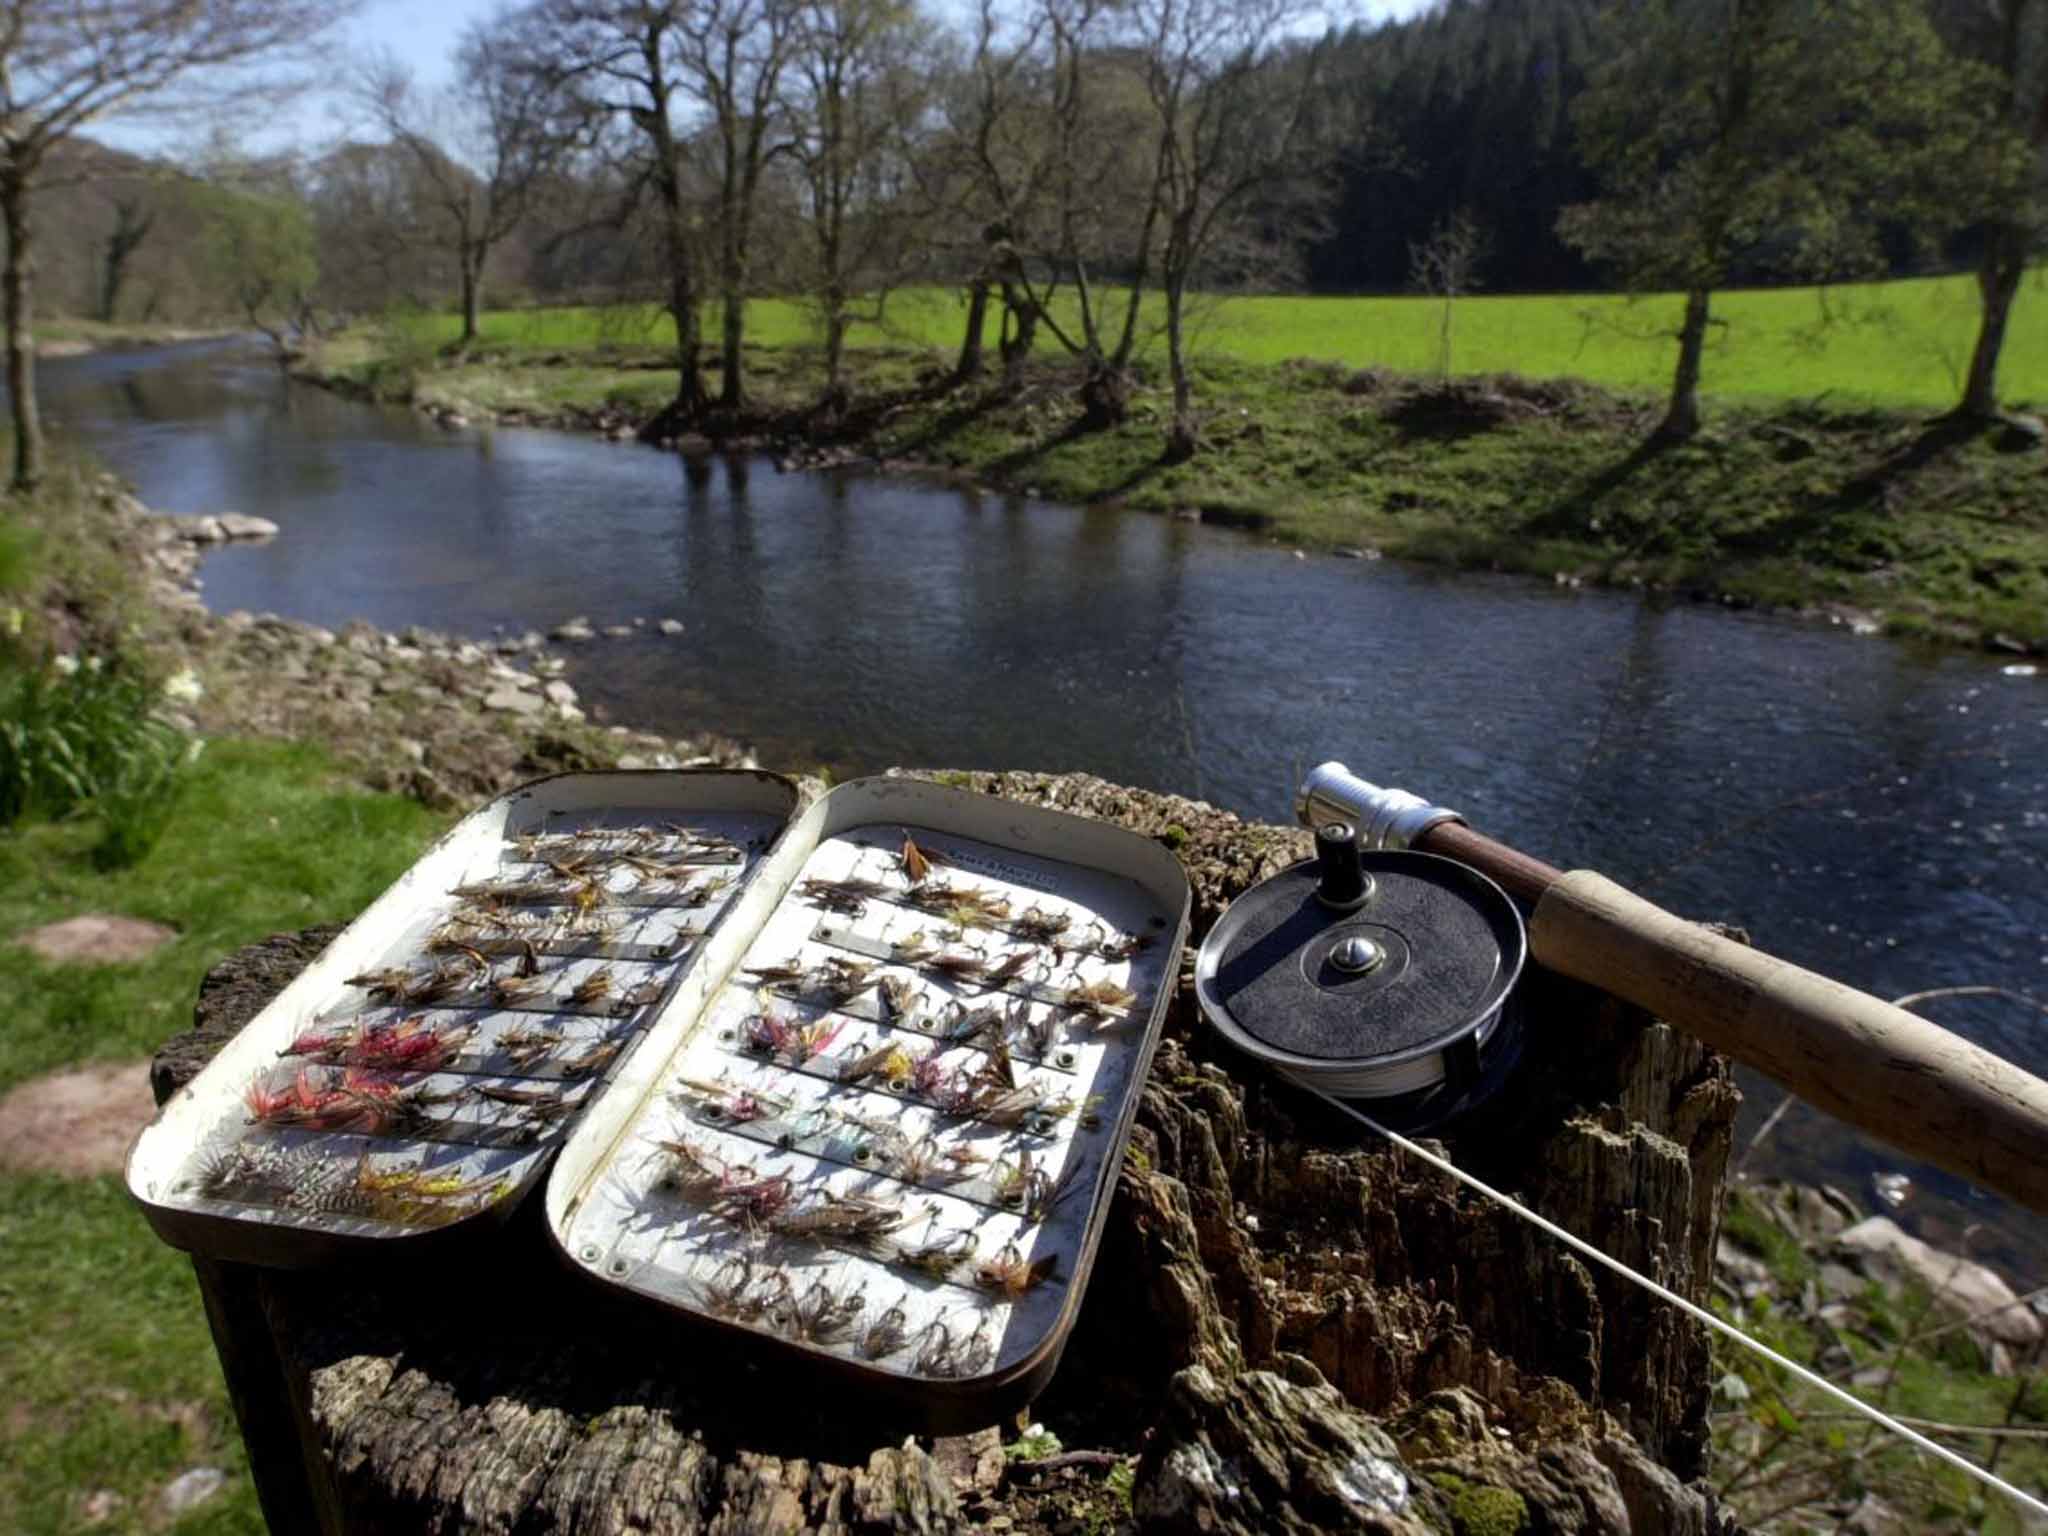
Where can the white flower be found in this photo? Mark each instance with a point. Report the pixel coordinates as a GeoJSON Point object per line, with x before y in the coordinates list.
{"type": "Point", "coordinates": [15, 620]}
{"type": "Point", "coordinates": [183, 686]}
{"type": "Point", "coordinates": [92, 665]}
{"type": "Point", "coordinates": [192, 752]}
{"type": "Point", "coordinates": [65, 665]}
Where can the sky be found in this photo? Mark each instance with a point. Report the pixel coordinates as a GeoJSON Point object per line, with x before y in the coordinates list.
{"type": "Point", "coordinates": [424, 34]}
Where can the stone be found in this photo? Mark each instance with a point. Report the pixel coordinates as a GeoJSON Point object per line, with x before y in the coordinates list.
{"type": "Point", "coordinates": [191, 1488]}
{"type": "Point", "coordinates": [558, 692]}
{"type": "Point", "coordinates": [98, 938]}
{"type": "Point", "coordinates": [670, 626]}
{"type": "Point", "coordinates": [618, 631]}
{"type": "Point", "coordinates": [202, 530]}
{"type": "Point", "coordinates": [549, 666]}
{"type": "Point", "coordinates": [631, 761]}
{"type": "Point", "coordinates": [576, 630]}
{"type": "Point", "coordinates": [411, 750]}
{"type": "Point", "coordinates": [77, 1122]}
{"type": "Point", "coordinates": [1960, 1286]}
{"type": "Point", "coordinates": [239, 525]}
{"type": "Point", "coordinates": [513, 701]}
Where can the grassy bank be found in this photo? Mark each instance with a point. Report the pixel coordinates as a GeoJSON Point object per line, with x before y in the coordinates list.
{"type": "Point", "coordinates": [1864, 510]}
{"type": "Point", "coordinates": [105, 1360]}
{"type": "Point", "coordinates": [1899, 344]}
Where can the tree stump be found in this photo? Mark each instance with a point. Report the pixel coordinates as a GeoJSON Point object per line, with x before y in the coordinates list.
{"type": "Point", "coordinates": [1289, 1328]}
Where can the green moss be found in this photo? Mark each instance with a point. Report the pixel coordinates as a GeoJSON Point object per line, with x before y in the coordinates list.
{"type": "Point", "coordinates": [1174, 835]}
{"type": "Point", "coordinates": [1480, 1509]}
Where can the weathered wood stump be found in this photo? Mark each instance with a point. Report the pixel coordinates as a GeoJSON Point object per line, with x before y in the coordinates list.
{"type": "Point", "coordinates": [1289, 1328]}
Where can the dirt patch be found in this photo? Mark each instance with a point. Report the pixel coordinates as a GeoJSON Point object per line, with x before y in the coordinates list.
{"type": "Point", "coordinates": [77, 1122]}
{"type": "Point", "coordinates": [98, 938]}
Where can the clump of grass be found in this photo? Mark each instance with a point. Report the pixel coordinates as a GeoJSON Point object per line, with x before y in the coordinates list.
{"type": "Point", "coordinates": [87, 737]}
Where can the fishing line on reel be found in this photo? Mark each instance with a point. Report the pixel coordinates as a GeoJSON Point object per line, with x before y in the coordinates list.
{"type": "Point", "coordinates": [1692, 1309]}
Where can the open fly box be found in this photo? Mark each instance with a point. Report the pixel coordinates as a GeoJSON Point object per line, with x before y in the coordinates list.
{"type": "Point", "coordinates": [853, 1086]}
{"type": "Point", "coordinates": [885, 1142]}
{"type": "Point", "coordinates": [414, 1081]}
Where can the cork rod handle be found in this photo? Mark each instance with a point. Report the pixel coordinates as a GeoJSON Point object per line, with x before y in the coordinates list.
{"type": "Point", "coordinates": [1906, 1081]}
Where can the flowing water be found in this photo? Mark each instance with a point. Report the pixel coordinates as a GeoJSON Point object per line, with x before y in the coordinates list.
{"type": "Point", "coordinates": [1876, 811]}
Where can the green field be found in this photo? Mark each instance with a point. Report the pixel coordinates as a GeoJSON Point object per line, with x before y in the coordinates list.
{"type": "Point", "coordinates": [1890, 344]}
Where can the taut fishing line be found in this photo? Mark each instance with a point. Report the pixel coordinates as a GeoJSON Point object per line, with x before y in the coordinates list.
{"type": "Point", "coordinates": [1585, 1249]}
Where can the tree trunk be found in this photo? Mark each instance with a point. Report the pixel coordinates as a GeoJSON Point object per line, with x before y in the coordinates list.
{"type": "Point", "coordinates": [1018, 341]}
{"type": "Point", "coordinates": [1998, 280]}
{"type": "Point", "coordinates": [732, 390]}
{"type": "Point", "coordinates": [1682, 417]}
{"type": "Point", "coordinates": [130, 230]}
{"type": "Point", "coordinates": [835, 359]}
{"type": "Point", "coordinates": [682, 303]}
{"type": "Point", "coordinates": [1180, 436]}
{"type": "Point", "coordinates": [472, 294]}
{"type": "Point", "coordinates": [21, 342]}
{"type": "Point", "coordinates": [970, 364]}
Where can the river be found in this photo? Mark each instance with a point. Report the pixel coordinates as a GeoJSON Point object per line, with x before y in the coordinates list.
{"type": "Point", "coordinates": [1874, 810]}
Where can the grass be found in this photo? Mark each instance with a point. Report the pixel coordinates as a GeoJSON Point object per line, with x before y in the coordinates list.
{"type": "Point", "coordinates": [1780, 1448]}
{"type": "Point", "coordinates": [1899, 344]}
{"type": "Point", "coordinates": [106, 1366]}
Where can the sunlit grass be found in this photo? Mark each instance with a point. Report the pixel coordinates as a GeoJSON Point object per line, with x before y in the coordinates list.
{"type": "Point", "coordinates": [1894, 344]}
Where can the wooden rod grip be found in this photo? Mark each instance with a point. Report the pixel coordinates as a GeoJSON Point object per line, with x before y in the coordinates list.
{"type": "Point", "coordinates": [1906, 1081]}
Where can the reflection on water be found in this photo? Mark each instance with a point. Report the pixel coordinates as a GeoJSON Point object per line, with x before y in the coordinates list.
{"type": "Point", "coordinates": [1870, 810]}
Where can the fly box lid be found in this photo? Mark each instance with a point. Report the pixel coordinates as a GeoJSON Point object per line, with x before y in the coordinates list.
{"type": "Point", "coordinates": [883, 1145]}
{"type": "Point", "coordinates": [415, 1080]}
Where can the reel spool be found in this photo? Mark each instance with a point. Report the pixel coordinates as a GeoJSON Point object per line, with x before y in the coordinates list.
{"type": "Point", "coordinates": [1384, 976]}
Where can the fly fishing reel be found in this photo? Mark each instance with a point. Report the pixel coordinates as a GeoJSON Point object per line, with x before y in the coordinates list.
{"type": "Point", "coordinates": [1372, 973]}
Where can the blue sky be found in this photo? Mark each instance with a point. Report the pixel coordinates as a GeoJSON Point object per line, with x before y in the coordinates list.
{"type": "Point", "coordinates": [424, 33]}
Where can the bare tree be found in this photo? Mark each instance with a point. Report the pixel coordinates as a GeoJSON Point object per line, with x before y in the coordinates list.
{"type": "Point", "coordinates": [623, 57]}
{"type": "Point", "coordinates": [482, 147]}
{"type": "Point", "coordinates": [1446, 265]}
{"type": "Point", "coordinates": [64, 65]}
{"type": "Point", "coordinates": [853, 123]}
{"type": "Point", "coordinates": [1234, 114]}
{"type": "Point", "coordinates": [734, 53]}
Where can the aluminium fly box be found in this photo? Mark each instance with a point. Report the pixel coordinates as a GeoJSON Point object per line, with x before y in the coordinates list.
{"type": "Point", "coordinates": [414, 1081]}
{"type": "Point", "coordinates": [882, 1142]}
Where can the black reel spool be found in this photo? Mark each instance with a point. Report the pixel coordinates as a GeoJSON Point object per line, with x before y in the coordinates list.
{"type": "Point", "coordinates": [1380, 976]}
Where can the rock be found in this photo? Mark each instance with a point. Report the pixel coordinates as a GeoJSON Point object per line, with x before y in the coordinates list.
{"type": "Point", "coordinates": [2020, 434]}
{"type": "Point", "coordinates": [513, 701]}
{"type": "Point", "coordinates": [79, 1122]}
{"type": "Point", "coordinates": [239, 525]}
{"type": "Point", "coordinates": [202, 530]}
{"type": "Point", "coordinates": [2010, 644]}
{"type": "Point", "coordinates": [576, 630]}
{"type": "Point", "coordinates": [558, 692]}
{"type": "Point", "coordinates": [1961, 1287]}
{"type": "Point", "coordinates": [631, 761]}
{"type": "Point", "coordinates": [550, 666]}
{"type": "Point", "coordinates": [670, 626]}
{"type": "Point", "coordinates": [98, 938]}
{"type": "Point", "coordinates": [190, 1489]}
{"type": "Point", "coordinates": [618, 631]}
{"type": "Point", "coordinates": [412, 751]}
{"type": "Point", "coordinates": [2019, 669]}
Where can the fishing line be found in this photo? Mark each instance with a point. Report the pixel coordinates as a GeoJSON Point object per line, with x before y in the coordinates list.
{"type": "Point", "coordinates": [1580, 1246]}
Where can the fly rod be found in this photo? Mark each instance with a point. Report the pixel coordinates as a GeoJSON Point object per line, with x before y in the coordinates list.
{"type": "Point", "coordinates": [1901, 1078]}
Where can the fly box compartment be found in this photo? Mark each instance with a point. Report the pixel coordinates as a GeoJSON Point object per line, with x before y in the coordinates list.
{"type": "Point", "coordinates": [885, 1144]}
{"type": "Point", "coordinates": [415, 1080]}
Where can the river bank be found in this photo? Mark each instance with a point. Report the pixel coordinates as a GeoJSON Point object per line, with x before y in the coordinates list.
{"type": "Point", "coordinates": [442, 719]}
{"type": "Point", "coordinates": [61, 337]}
{"type": "Point", "coordinates": [1876, 520]}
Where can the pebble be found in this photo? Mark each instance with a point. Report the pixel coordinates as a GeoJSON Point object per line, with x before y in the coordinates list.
{"type": "Point", "coordinates": [512, 701]}
{"type": "Point", "coordinates": [559, 693]}
{"type": "Point", "coordinates": [577, 629]}
{"type": "Point", "coordinates": [618, 631]}
{"type": "Point", "coordinates": [189, 1489]}
{"type": "Point", "coordinates": [670, 626]}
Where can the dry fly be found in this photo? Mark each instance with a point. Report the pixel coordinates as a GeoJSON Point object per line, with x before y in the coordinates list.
{"type": "Point", "coordinates": [938, 1257]}
{"type": "Point", "coordinates": [1035, 925]}
{"type": "Point", "coordinates": [840, 1218]}
{"type": "Point", "coordinates": [1099, 999]}
{"type": "Point", "coordinates": [1009, 1274]}
{"type": "Point", "coordinates": [887, 1333]}
{"type": "Point", "coordinates": [1011, 968]}
{"type": "Point", "coordinates": [527, 1048]}
{"type": "Point", "coordinates": [594, 988]}
{"type": "Point", "coordinates": [690, 1171]}
{"type": "Point", "coordinates": [776, 978]}
{"type": "Point", "coordinates": [917, 864]}
{"type": "Point", "coordinates": [509, 991]}
{"type": "Point", "coordinates": [858, 1069]}
{"type": "Point", "coordinates": [900, 998]}
{"type": "Point", "coordinates": [936, 1351]}
{"type": "Point", "coordinates": [594, 1060]}
{"type": "Point", "coordinates": [820, 1316]}
{"type": "Point", "coordinates": [847, 897]}
{"type": "Point", "coordinates": [731, 1292]}
{"type": "Point", "coordinates": [958, 966]}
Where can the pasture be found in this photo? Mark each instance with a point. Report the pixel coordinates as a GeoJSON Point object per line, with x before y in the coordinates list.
{"type": "Point", "coordinates": [1899, 344]}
